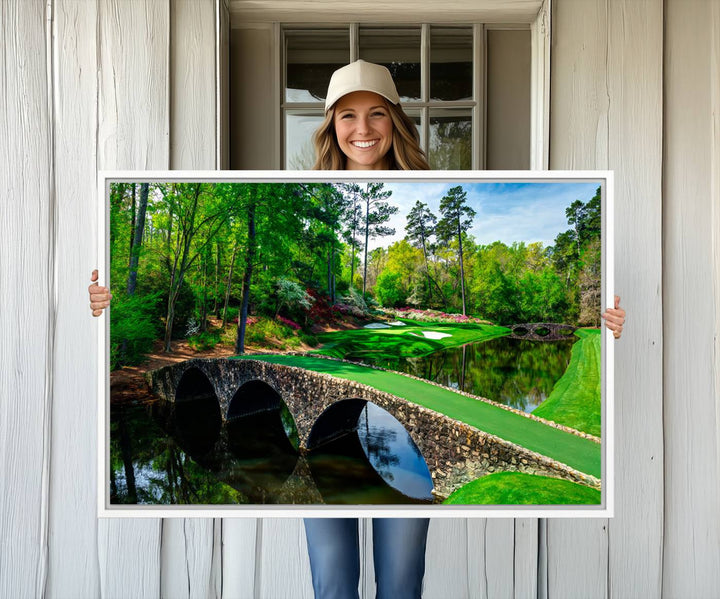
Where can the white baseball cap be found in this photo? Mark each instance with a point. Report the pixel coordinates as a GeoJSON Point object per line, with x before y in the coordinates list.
{"type": "Point", "coordinates": [361, 76]}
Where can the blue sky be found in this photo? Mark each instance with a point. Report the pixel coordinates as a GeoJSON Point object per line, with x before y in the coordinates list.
{"type": "Point", "coordinates": [507, 212]}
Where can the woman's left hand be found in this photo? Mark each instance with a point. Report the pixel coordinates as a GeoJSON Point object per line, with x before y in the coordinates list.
{"type": "Point", "coordinates": [615, 318]}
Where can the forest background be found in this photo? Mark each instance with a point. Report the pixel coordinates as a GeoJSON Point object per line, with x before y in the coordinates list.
{"type": "Point", "coordinates": [239, 262]}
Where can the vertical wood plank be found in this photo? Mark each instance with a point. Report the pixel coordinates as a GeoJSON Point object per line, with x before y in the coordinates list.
{"type": "Point", "coordinates": [187, 558]}
{"type": "Point", "coordinates": [239, 556]}
{"type": "Point", "coordinates": [26, 298]}
{"type": "Point", "coordinates": [222, 16]}
{"type": "Point", "coordinates": [133, 125]}
{"type": "Point", "coordinates": [189, 566]}
{"type": "Point", "coordinates": [635, 89]}
{"type": "Point", "coordinates": [577, 558]}
{"type": "Point", "coordinates": [525, 575]}
{"type": "Point", "coordinates": [691, 401]}
{"type": "Point", "coordinates": [193, 85]}
{"type": "Point", "coordinates": [73, 559]}
{"type": "Point", "coordinates": [491, 549]}
{"type": "Point", "coordinates": [447, 559]}
{"type": "Point", "coordinates": [283, 566]}
{"type": "Point", "coordinates": [577, 552]}
{"type": "Point", "coordinates": [607, 88]}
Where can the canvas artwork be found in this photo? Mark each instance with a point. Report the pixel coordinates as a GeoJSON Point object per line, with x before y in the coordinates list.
{"type": "Point", "coordinates": [283, 341]}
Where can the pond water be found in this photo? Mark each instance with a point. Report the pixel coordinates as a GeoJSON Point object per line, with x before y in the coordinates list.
{"type": "Point", "coordinates": [160, 455]}
{"type": "Point", "coordinates": [516, 372]}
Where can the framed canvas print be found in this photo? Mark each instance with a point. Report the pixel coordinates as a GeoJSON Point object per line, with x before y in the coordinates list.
{"type": "Point", "coordinates": [335, 343]}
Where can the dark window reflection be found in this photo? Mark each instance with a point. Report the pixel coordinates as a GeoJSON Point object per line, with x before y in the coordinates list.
{"type": "Point", "coordinates": [311, 58]}
{"type": "Point", "coordinates": [399, 51]}
{"type": "Point", "coordinates": [451, 60]}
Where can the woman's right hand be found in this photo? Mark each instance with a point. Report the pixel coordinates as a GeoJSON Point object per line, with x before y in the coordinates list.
{"type": "Point", "coordinates": [99, 296]}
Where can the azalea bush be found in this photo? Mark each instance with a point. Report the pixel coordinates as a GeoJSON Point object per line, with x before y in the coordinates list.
{"type": "Point", "coordinates": [287, 322]}
{"type": "Point", "coordinates": [434, 316]}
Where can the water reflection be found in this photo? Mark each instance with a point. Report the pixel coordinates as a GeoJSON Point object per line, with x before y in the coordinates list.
{"type": "Point", "coordinates": [515, 372]}
{"type": "Point", "coordinates": [167, 453]}
{"type": "Point", "coordinates": [392, 453]}
{"type": "Point", "coordinates": [376, 461]}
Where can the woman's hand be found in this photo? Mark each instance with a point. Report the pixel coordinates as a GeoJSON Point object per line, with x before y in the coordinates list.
{"type": "Point", "coordinates": [615, 318]}
{"type": "Point", "coordinates": [99, 296]}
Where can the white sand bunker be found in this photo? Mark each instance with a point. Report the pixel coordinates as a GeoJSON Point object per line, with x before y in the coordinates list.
{"type": "Point", "coordinates": [376, 325]}
{"type": "Point", "coordinates": [433, 334]}
{"type": "Point", "coordinates": [396, 323]}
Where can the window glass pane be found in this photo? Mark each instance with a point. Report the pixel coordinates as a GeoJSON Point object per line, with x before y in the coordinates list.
{"type": "Point", "coordinates": [311, 58]}
{"type": "Point", "coordinates": [398, 50]}
{"type": "Point", "coordinates": [415, 117]}
{"type": "Point", "coordinates": [450, 139]}
{"type": "Point", "coordinates": [451, 56]}
{"type": "Point", "coordinates": [299, 149]}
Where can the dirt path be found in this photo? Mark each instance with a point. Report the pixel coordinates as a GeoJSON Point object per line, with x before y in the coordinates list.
{"type": "Point", "coordinates": [128, 383]}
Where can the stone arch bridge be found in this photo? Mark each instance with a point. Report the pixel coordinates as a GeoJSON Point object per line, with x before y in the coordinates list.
{"type": "Point", "coordinates": [454, 452]}
{"type": "Point", "coordinates": [541, 331]}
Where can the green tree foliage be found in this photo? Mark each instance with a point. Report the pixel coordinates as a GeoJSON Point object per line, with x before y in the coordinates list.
{"type": "Point", "coordinates": [134, 327]}
{"type": "Point", "coordinates": [377, 213]}
{"type": "Point", "coordinates": [457, 218]}
{"type": "Point", "coordinates": [389, 289]}
{"type": "Point", "coordinates": [290, 294]}
{"type": "Point", "coordinates": [420, 228]}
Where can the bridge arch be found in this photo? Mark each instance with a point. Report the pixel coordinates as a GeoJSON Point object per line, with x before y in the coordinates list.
{"type": "Point", "coordinates": [258, 403]}
{"type": "Point", "coordinates": [197, 418]}
{"type": "Point", "coordinates": [252, 397]}
{"type": "Point", "coordinates": [362, 431]}
{"type": "Point", "coordinates": [337, 419]}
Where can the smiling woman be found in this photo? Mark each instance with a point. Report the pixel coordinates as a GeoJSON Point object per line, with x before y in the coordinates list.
{"type": "Point", "coordinates": [365, 128]}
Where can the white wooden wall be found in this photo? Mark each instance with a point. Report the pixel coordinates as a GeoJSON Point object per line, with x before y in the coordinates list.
{"type": "Point", "coordinates": [132, 85]}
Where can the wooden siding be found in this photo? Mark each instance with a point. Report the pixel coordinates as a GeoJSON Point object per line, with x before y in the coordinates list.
{"type": "Point", "coordinates": [606, 113]}
{"type": "Point", "coordinates": [27, 282]}
{"type": "Point", "coordinates": [90, 85]}
{"type": "Point", "coordinates": [691, 271]}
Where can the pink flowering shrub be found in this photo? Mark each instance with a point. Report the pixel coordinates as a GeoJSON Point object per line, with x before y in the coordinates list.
{"type": "Point", "coordinates": [434, 316]}
{"type": "Point", "coordinates": [287, 322]}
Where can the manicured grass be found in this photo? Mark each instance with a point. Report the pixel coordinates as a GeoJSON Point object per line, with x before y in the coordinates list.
{"type": "Point", "coordinates": [518, 488]}
{"type": "Point", "coordinates": [581, 454]}
{"type": "Point", "coordinates": [575, 400]}
{"type": "Point", "coordinates": [403, 341]}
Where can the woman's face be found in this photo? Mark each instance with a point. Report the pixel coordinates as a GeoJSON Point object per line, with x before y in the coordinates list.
{"type": "Point", "coordinates": [364, 130]}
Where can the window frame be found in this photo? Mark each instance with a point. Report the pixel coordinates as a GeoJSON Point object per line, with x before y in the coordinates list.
{"type": "Point", "coordinates": [540, 29]}
{"type": "Point", "coordinates": [476, 106]}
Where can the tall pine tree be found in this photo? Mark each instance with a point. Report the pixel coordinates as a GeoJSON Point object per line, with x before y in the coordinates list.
{"type": "Point", "coordinates": [456, 219]}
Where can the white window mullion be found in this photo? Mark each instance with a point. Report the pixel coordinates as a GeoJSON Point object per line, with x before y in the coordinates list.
{"type": "Point", "coordinates": [280, 60]}
{"type": "Point", "coordinates": [479, 82]}
{"type": "Point", "coordinates": [425, 86]}
{"type": "Point", "coordinates": [354, 42]}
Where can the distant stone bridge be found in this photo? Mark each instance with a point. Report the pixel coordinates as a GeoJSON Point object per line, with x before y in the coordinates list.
{"type": "Point", "coordinates": [541, 331]}
{"type": "Point", "coordinates": [454, 452]}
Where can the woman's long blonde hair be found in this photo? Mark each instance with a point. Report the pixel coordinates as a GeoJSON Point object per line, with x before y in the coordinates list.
{"type": "Point", "coordinates": [405, 153]}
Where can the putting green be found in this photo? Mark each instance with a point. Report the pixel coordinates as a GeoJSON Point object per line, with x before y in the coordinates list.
{"type": "Point", "coordinates": [404, 341]}
{"type": "Point", "coordinates": [579, 453]}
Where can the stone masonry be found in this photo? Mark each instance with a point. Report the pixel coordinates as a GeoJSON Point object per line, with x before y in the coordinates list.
{"type": "Point", "coordinates": [456, 453]}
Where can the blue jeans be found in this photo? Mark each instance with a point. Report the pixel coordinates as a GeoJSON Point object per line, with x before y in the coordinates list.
{"type": "Point", "coordinates": [398, 552]}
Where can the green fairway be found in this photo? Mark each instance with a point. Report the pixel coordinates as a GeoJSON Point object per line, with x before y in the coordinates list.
{"type": "Point", "coordinates": [517, 488]}
{"type": "Point", "coordinates": [575, 400]}
{"type": "Point", "coordinates": [577, 452]}
{"type": "Point", "coordinates": [404, 341]}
